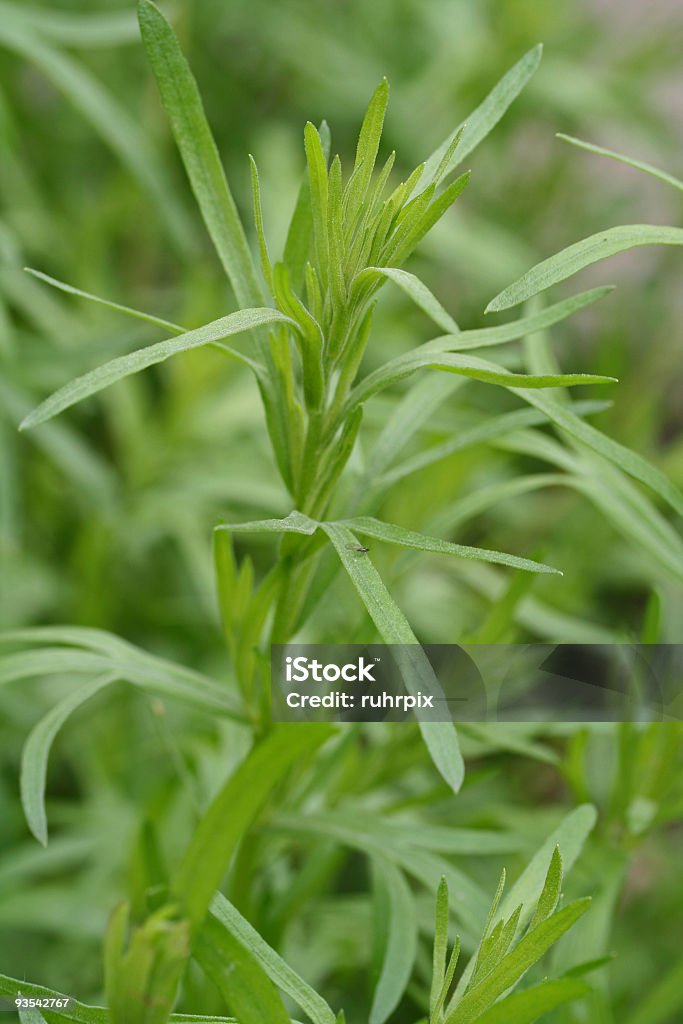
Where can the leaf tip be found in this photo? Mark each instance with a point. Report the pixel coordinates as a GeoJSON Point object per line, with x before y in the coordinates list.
{"type": "Point", "coordinates": [38, 829]}
{"type": "Point", "coordinates": [27, 422]}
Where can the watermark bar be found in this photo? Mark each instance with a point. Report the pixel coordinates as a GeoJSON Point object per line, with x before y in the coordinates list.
{"type": "Point", "coordinates": [477, 682]}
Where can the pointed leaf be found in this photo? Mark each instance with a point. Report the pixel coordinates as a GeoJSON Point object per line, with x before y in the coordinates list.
{"type": "Point", "coordinates": [440, 737]}
{"type": "Point", "coordinates": [266, 268]}
{"type": "Point", "coordinates": [368, 145]}
{"type": "Point", "coordinates": [233, 809]}
{"type": "Point", "coordinates": [549, 898]}
{"type": "Point", "coordinates": [484, 337]}
{"type": "Point", "coordinates": [415, 289]}
{"type": "Point", "coordinates": [629, 461]}
{"type": "Point", "coordinates": [36, 752]}
{"type": "Point", "coordinates": [466, 366]}
{"type": "Point", "coordinates": [532, 1004]}
{"type": "Point", "coordinates": [581, 254]}
{"type": "Point", "coordinates": [124, 366]}
{"type": "Point", "coordinates": [440, 950]}
{"type": "Point", "coordinates": [295, 522]}
{"type": "Point", "coordinates": [116, 306]}
{"type": "Point", "coordinates": [184, 108]}
{"type": "Point", "coordinates": [638, 164]}
{"type": "Point", "coordinates": [370, 527]}
{"type": "Point", "coordinates": [239, 977]}
{"type": "Point", "coordinates": [279, 972]}
{"type": "Point", "coordinates": [398, 923]}
{"type": "Point", "coordinates": [481, 121]}
{"type": "Point", "coordinates": [515, 964]}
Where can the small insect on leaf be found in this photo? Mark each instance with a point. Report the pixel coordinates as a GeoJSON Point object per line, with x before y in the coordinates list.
{"type": "Point", "coordinates": [359, 548]}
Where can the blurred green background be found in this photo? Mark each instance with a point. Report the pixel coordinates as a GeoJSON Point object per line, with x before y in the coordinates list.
{"type": "Point", "coordinates": [106, 514]}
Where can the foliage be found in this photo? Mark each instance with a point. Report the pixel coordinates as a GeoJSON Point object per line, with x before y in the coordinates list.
{"type": "Point", "coordinates": [263, 871]}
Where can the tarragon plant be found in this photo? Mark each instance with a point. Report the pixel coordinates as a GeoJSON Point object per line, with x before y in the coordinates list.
{"type": "Point", "coordinates": [306, 324]}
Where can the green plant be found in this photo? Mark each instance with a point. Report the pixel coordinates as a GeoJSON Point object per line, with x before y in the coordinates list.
{"type": "Point", "coordinates": [309, 354]}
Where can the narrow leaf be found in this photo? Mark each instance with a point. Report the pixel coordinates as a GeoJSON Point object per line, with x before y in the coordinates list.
{"type": "Point", "coordinates": [440, 737]}
{"type": "Point", "coordinates": [279, 972]}
{"type": "Point", "coordinates": [512, 967]}
{"type": "Point", "coordinates": [239, 977]}
{"type": "Point", "coordinates": [116, 306]}
{"type": "Point", "coordinates": [368, 145]}
{"type": "Point", "coordinates": [490, 429]}
{"type": "Point", "coordinates": [569, 836]}
{"type": "Point", "coordinates": [440, 944]}
{"type": "Point", "coordinates": [466, 366]}
{"type": "Point", "coordinates": [295, 522]}
{"type": "Point", "coordinates": [266, 268]}
{"type": "Point", "coordinates": [549, 898]}
{"type": "Point", "coordinates": [298, 242]}
{"type": "Point", "coordinates": [317, 176]}
{"type": "Point", "coordinates": [581, 254]}
{"type": "Point", "coordinates": [370, 527]}
{"type": "Point", "coordinates": [532, 1004]}
{"type": "Point", "coordinates": [484, 337]}
{"type": "Point", "coordinates": [629, 461]}
{"type": "Point", "coordinates": [183, 105]}
{"type": "Point", "coordinates": [481, 121]}
{"type": "Point", "coordinates": [640, 165]}
{"type": "Point", "coordinates": [415, 289]}
{"type": "Point", "coordinates": [36, 752]}
{"type": "Point", "coordinates": [399, 927]}
{"type": "Point", "coordinates": [100, 378]}
{"type": "Point", "coordinates": [232, 811]}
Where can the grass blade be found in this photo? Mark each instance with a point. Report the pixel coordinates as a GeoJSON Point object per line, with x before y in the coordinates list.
{"type": "Point", "coordinates": [100, 378]}
{"type": "Point", "coordinates": [184, 108]}
{"type": "Point", "coordinates": [581, 254]}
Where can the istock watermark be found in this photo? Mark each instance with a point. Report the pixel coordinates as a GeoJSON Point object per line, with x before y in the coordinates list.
{"type": "Point", "coordinates": [478, 682]}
